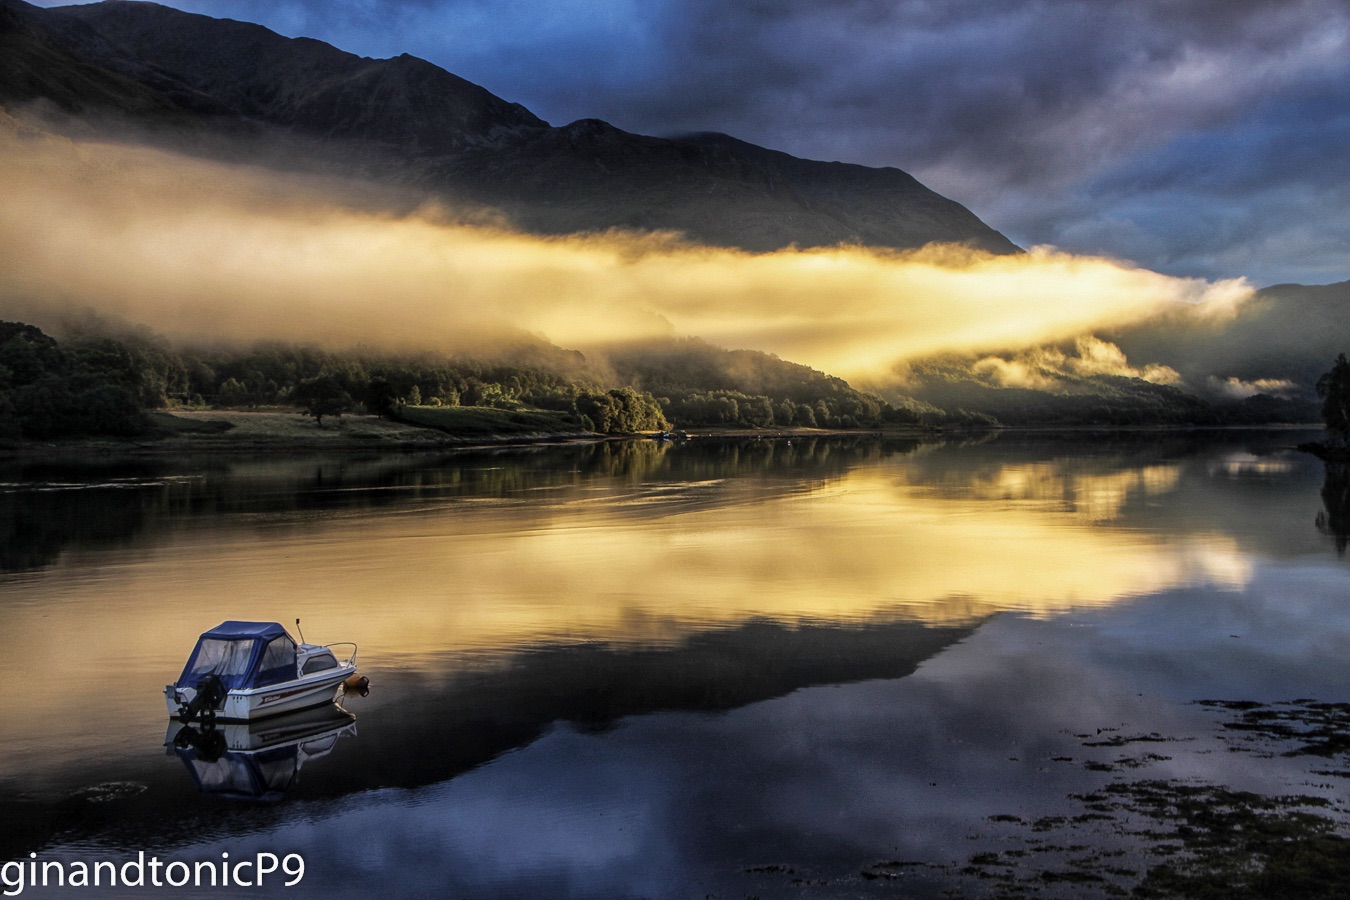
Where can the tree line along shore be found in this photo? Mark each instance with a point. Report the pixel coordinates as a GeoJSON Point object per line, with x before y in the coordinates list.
{"type": "Point", "coordinates": [138, 387]}
{"type": "Point", "coordinates": [133, 386]}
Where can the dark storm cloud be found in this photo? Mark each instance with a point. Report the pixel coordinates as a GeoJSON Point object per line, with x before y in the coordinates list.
{"type": "Point", "coordinates": [1266, 196]}
{"type": "Point", "coordinates": [1072, 121]}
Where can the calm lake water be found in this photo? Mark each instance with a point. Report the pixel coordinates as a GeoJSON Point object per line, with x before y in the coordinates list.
{"type": "Point", "coordinates": [815, 668]}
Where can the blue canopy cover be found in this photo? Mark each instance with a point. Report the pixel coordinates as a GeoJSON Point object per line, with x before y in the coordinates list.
{"type": "Point", "coordinates": [242, 655]}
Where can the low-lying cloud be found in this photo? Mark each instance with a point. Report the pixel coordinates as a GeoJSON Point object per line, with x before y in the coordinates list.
{"type": "Point", "coordinates": [204, 250]}
{"type": "Point", "coordinates": [1238, 389]}
{"type": "Point", "coordinates": [1046, 368]}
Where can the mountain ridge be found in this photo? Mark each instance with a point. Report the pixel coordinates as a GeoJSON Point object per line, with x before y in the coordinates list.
{"type": "Point", "coordinates": [418, 125]}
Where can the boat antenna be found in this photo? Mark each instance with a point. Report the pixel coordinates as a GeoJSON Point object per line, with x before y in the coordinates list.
{"type": "Point", "coordinates": [297, 628]}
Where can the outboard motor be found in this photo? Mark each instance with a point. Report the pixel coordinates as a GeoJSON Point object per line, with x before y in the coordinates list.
{"type": "Point", "coordinates": [210, 695]}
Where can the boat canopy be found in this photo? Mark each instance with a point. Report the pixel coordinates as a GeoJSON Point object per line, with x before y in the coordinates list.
{"type": "Point", "coordinates": [243, 776]}
{"type": "Point", "coordinates": [242, 655]}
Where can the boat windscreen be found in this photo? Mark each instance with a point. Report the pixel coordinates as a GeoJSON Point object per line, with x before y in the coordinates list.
{"type": "Point", "coordinates": [221, 657]}
{"type": "Point", "coordinates": [278, 662]}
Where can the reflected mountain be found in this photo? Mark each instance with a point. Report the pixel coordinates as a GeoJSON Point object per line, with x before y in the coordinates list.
{"type": "Point", "coordinates": [422, 732]}
{"type": "Point", "coordinates": [479, 715]}
{"type": "Point", "coordinates": [1334, 519]}
{"type": "Point", "coordinates": [257, 760]}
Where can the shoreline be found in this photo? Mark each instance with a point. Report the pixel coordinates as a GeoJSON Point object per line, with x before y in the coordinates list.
{"type": "Point", "coordinates": [286, 433]}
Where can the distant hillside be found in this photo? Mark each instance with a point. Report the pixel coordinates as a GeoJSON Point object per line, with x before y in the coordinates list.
{"type": "Point", "coordinates": [1257, 364]}
{"type": "Point", "coordinates": [699, 384]}
{"type": "Point", "coordinates": [680, 366]}
{"type": "Point", "coordinates": [954, 394]}
{"type": "Point", "coordinates": [1290, 332]}
{"type": "Point", "coordinates": [410, 122]}
{"type": "Point", "coordinates": [100, 382]}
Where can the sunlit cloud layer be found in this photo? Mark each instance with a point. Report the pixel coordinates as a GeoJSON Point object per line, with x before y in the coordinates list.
{"type": "Point", "coordinates": [199, 250]}
{"type": "Point", "coordinates": [1043, 368]}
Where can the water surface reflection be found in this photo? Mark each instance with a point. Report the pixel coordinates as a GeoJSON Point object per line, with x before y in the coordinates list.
{"type": "Point", "coordinates": [256, 760]}
{"type": "Point", "coordinates": [1334, 519]}
{"type": "Point", "coordinates": [637, 669]}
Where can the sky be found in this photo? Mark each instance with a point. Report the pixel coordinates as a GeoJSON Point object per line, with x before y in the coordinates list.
{"type": "Point", "coordinates": [1195, 137]}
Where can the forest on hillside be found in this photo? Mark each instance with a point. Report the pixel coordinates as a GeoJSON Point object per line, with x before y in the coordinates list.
{"type": "Point", "coordinates": [103, 384]}
{"type": "Point", "coordinates": [958, 391]}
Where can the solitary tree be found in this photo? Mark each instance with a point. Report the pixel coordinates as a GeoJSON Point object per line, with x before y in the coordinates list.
{"type": "Point", "coordinates": [1333, 389]}
{"type": "Point", "coordinates": [381, 396]}
{"type": "Point", "coordinates": [322, 396]}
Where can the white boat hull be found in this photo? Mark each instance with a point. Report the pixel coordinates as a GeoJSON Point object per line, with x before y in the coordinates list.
{"type": "Point", "coordinates": [275, 699]}
{"type": "Point", "coordinates": [299, 728]}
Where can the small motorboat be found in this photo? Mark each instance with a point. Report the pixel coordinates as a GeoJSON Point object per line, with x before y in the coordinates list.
{"type": "Point", "coordinates": [241, 671]}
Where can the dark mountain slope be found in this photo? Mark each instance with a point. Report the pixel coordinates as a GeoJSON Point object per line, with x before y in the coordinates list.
{"type": "Point", "coordinates": [590, 175]}
{"type": "Point", "coordinates": [1288, 331]}
{"type": "Point", "coordinates": [873, 203]}
{"type": "Point", "coordinates": [1256, 364]}
{"type": "Point", "coordinates": [410, 121]}
{"type": "Point", "coordinates": [35, 66]}
{"type": "Point", "coordinates": [236, 68]}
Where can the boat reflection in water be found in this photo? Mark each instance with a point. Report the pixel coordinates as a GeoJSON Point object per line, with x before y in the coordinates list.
{"type": "Point", "coordinates": [257, 760]}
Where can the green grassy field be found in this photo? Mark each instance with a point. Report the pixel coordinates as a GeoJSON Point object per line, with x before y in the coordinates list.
{"type": "Point", "coordinates": [229, 427]}
{"type": "Point", "coordinates": [482, 421]}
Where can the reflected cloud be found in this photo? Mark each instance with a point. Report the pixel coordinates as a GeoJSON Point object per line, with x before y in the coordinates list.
{"type": "Point", "coordinates": [1248, 465]}
{"type": "Point", "coordinates": [1087, 496]}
